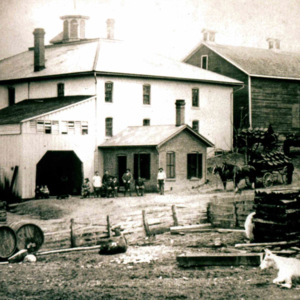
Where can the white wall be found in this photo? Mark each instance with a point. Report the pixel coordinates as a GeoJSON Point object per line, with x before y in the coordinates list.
{"type": "Point", "coordinates": [127, 109]}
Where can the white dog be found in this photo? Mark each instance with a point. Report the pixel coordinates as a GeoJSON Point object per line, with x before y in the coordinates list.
{"type": "Point", "coordinates": [288, 268]}
{"type": "Point", "coordinates": [249, 226]}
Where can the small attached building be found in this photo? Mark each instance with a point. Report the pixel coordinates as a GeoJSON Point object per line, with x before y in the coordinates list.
{"type": "Point", "coordinates": [178, 149]}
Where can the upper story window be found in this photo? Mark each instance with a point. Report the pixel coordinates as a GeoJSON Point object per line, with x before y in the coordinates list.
{"type": "Point", "coordinates": [109, 126]}
{"type": "Point", "coordinates": [108, 91]}
{"type": "Point", "coordinates": [146, 122]}
{"type": "Point", "coordinates": [60, 89]}
{"type": "Point", "coordinates": [11, 96]}
{"type": "Point", "coordinates": [204, 62]}
{"type": "Point", "coordinates": [146, 93]}
{"type": "Point", "coordinates": [195, 97]}
{"type": "Point", "coordinates": [170, 165]}
{"type": "Point", "coordinates": [195, 125]}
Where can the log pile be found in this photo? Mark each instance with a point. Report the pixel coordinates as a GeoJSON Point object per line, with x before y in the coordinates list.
{"type": "Point", "coordinates": [277, 215]}
{"type": "Point", "coordinates": [270, 160]}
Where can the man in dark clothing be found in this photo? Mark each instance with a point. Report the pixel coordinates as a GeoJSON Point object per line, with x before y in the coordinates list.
{"type": "Point", "coordinates": [127, 177]}
{"type": "Point", "coordinates": [139, 186]}
{"type": "Point", "coordinates": [112, 187]}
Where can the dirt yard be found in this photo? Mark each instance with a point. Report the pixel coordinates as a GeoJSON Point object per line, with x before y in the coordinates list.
{"type": "Point", "coordinates": [148, 270]}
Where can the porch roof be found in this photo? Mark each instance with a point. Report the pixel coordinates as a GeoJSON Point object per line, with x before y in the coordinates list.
{"type": "Point", "coordinates": [157, 135]}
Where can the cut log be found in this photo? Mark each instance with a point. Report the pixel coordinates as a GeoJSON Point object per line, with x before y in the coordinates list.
{"type": "Point", "coordinates": [8, 242]}
{"type": "Point", "coordinates": [226, 259]}
{"type": "Point", "coordinates": [268, 244]}
{"type": "Point", "coordinates": [224, 230]}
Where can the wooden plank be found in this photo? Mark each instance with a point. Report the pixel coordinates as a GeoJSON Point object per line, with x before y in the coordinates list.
{"type": "Point", "coordinates": [190, 228]}
{"type": "Point", "coordinates": [268, 244]}
{"type": "Point", "coordinates": [219, 259]}
{"type": "Point", "coordinates": [230, 230]}
{"type": "Point", "coordinates": [40, 253]}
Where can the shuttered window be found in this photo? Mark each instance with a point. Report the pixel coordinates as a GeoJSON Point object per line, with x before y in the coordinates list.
{"type": "Point", "coordinates": [146, 93]}
{"type": "Point", "coordinates": [108, 91]}
{"type": "Point", "coordinates": [195, 97]}
{"type": "Point", "coordinates": [170, 165]}
{"type": "Point", "coordinates": [109, 127]}
{"type": "Point", "coordinates": [194, 165]}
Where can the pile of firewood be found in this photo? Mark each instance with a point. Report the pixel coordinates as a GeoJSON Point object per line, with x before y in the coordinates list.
{"type": "Point", "coordinates": [277, 215]}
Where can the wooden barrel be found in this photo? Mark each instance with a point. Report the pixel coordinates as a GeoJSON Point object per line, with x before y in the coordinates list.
{"type": "Point", "coordinates": [29, 236]}
{"type": "Point", "coordinates": [8, 242]}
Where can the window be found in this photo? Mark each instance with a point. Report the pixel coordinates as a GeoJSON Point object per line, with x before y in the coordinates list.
{"type": "Point", "coordinates": [170, 165]}
{"type": "Point", "coordinates": [195, 125]}
{"type": "Point", "coordinates": [60, 89]}
{"type": "Point", "coordinates": [108, 91]}
{"type": "Point", "coordinates": [142, 165]}
{"type": "Point", "coordinates": [48, 128]}
{"type": "Point", "coordinates": [146, 122]}
{"type": "Point", "coordinates": [64, 127]}
{"type": "Point", "coordinates": [194, 165]}
{"type": "Point", "coordinates": [55, 127]}
{"type": "Point", "coordinates": [11, 96]}
{"type": "Point", "coordinates": [195, 97]}
{"type": "Point", "coordinates": [40, 126]}
{"type": "Point", "coordinates": [84, 128]}
{"type": "Point", "coordinates": [71, 126]}
{"type": "Point", "coordinates": [204, 62]}
{"type": "Point", "coordinates": [146, 93]}
{"type": "Point", "coordinates": [74, 29]}
{"type": "Point", "coordinates": [109, 127]}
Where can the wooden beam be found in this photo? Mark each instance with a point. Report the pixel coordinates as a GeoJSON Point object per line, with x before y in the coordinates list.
{"type": "Point", "coordinates": [220, 259]}
{"type": "Point", "coordinates": [146, 225]}
{"type": "Point", "coordinates": [67, 250]}
{"type": "Point", "coordinates": [267, 244]}
{"type": "Point", "coordinates": [174, 215]}
{"type": "Point", "coordinates": [224, 230]}
{"type": "Point", "coordinates": [192, 228]}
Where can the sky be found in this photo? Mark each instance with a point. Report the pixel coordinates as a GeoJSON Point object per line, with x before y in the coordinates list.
{"type": "Point", "coordinates": [169, 27]}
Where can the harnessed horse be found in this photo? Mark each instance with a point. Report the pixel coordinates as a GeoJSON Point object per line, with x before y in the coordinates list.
{"type": "Point", "coordinates": [230, 172]}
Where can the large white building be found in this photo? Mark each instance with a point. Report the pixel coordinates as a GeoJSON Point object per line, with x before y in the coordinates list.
{"type": "Point", "coordinates": [59, 102]}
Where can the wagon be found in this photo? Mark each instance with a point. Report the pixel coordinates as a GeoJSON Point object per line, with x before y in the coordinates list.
{"type": "Point", "coordinates": [269, 173]}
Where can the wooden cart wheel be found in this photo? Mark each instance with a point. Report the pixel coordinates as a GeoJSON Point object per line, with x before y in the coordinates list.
{"type": "Point", "coordinates": [268, 180]}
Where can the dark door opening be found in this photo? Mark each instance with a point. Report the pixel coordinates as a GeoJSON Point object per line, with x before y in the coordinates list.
{"type": "Point", "coordinates": [61, 171]}
{"type": "Point", "coordinates": [122, 166]}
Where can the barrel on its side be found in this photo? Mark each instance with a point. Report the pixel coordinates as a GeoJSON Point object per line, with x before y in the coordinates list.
{"type": "Point", "coordinates": [29, 236]}
{"type": "Point", "coordinates": [8, 242]}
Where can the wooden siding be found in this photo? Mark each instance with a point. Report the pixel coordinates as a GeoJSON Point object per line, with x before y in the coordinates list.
{"type": "Point", "coordinates": [276, 102]}
{"type": "Point", "coordinates": [219, 65]}
{"type": "Point", "coordinates": [10, 129]}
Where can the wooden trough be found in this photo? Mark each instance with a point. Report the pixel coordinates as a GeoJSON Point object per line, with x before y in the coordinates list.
{"type": "Point", "coordinates": [29, 236]}
{"type": "Point", "coordinates": [8, 242]}
{"type": "Point", "coordinates": [219, 259]}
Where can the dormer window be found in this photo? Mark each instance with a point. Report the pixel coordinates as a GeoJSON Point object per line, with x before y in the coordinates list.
{"type": "Point", "coordinates": [204, 62]}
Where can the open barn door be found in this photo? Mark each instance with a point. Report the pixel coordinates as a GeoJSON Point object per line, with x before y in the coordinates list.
{"type": "Point", "coordinates": [61, 171]}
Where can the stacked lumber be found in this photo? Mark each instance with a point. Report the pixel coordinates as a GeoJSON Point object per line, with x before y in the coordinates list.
{"type": "Point", "coordinates": [277, 215]}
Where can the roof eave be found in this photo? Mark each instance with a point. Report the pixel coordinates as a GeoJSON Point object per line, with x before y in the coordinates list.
{"type": "Point", "coordinates": [125, 146]}
{"type": "Point", "coordinates": [274, 77]}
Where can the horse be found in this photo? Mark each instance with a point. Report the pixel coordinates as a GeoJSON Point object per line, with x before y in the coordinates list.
{"type": "Point", "coordinates": [230, 172]}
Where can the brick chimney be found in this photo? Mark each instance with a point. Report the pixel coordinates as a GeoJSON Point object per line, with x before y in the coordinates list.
{"type": "Point", "coordinates": [274, 44]}
{"type": "Point", "coordinates": [39, 49]}
{"type": "Point", "coordinates": [110, 28]}
{"type": "Point", "coordinates": [180, 112]}
{"type": "Point", "coordinates": [208, 35]}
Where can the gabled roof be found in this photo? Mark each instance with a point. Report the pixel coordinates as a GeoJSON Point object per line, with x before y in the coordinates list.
{"type": "Point", "coordinates": [258, 62]}
{"type": "Point", "coordinates": [107, 57]}
{"type": "Point", "coordinates": [31, 108]}
{"type": "Point", "coordinates": [156, 135]}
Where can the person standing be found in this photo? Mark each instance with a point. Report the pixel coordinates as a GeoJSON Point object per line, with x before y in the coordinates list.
{"type": "Point", "coordinates": [97, 184]}
{"type": "Point", "coordinates": [127, 177]}
{"type": "Point", "coordinates": [161, 176]}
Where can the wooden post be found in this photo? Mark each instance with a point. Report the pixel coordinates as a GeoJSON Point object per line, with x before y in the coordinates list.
{"type": "Point", "coordinates": [108, 227]}
{"type": "Point", "coordinates": [146, 225]}
{"type": "Point", "coordinates": [174, 215]}
{"type": "Point", "coordinates": [73, 242]}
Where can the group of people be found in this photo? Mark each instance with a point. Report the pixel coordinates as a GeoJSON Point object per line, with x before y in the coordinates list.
{"type": "Point", "coordinates": [42, 192]}
{"type": "Point", "coordinates": [108, 186]}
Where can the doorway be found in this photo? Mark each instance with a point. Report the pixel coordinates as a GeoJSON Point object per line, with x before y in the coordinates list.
{"type": "Point", "coordinates": [61, 171]}
{"type": "Point", "coordinates": [122, 166]}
